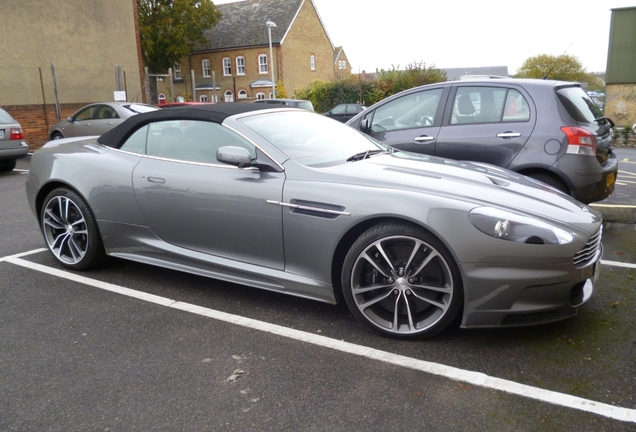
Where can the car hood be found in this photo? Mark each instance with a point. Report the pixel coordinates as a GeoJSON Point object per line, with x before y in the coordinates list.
{"type": "Point", "coordinates": [475, 182]}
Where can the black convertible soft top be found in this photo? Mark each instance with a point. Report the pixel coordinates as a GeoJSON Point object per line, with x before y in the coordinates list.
{"type": "Point", "coordinates": [213, 112]}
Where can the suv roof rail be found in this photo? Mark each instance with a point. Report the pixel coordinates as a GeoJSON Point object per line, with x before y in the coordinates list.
{"type": "Point", "coordinates": [475, 77]}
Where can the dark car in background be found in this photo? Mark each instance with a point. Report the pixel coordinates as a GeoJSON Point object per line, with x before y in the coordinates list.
{"type": "Point", "coordinates": [295, 103]}
{"type": "Point", "coordinates": [12, 144]}
{"type": "Point", "coordinates": [548, 130]}
{"type": "Point", "coordinates": [344, 112]}
{"type": "Point", "coordinates": [97, 118]}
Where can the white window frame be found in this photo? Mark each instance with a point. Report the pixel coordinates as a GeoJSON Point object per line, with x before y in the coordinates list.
{"type": "Point", "coordinates": [240, 65]}
{"type": "Point", "coordinates": [242, 94]}
{"type": "Point", "coordinates": [205, 68]}
{"type": "Point", "coordinates": [176, 72]}
{"type": "Point", "coordinates": [203, 98]}
{"type": "Point", "coordinates": [260, 96]}
{"type": "Point", "coordinates": [263, 64]}
{"type": "Point", "coordinates": [228, 96]}
{"type": "Point", "coordinates": [227, 66]}
{"type": "Point", "coordinates": [312, 62]}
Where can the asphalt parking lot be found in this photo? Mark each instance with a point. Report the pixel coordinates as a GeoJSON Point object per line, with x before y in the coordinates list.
{"type": "Point", "coordinates": [133, 347]}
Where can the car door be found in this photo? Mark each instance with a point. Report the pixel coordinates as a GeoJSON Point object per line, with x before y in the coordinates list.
{"type": "Point", "coordinates": [410, 122]}
{"type": "Point", "coordinates": [486, 123]}
{"type": "Point", "coordinates": [105, 119]}
{"type": "Point", "coordinates": [81, 122]}
{"type": "Point", "coordinates": [191, 200]}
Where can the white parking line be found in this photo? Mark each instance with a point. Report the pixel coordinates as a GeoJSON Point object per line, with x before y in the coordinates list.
{"type": "Point", "coordinates": [474, 378]}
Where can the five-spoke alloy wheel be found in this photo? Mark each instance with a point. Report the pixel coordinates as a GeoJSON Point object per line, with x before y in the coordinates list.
{"type": "Point", "coordinates": [401, 281]}
{"type": "Point", "coordinates": [70, 230]}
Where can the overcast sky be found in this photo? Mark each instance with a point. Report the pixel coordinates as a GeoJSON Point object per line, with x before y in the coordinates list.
{"type": "Point", "coordinates": [467, 33]}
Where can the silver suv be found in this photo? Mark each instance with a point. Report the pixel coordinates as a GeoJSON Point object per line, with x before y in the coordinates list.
{"type": "Point", "coordinates": [548, 130]}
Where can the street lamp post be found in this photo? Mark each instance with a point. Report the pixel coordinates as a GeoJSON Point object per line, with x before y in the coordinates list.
{"type": "Point", "coordinates": [269, 25]}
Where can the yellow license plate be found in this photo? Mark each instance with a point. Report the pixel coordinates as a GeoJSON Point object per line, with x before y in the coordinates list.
{"type": "Point", "coordinates": [610, 179]}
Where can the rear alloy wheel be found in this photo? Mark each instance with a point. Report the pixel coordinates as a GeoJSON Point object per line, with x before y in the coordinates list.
{"type": "Point", "coordinates": [401, 281]}
{"type": "Point", "coordinates": [70, 230]}
{"type": "Point", "coordinates": [56, 136]}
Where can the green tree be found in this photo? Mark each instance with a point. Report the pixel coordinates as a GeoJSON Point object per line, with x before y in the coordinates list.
{"type": "Point", "coordinates": [564, 67]}
{"type": "Point", "coordinates": [170, 29]}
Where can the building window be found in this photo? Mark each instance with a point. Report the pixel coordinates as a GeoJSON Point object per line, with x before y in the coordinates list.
{"type": "Point", "coordinates": [229, 97]}
{"type": "Point", "coordinates": [262, 64]}
{"type": "Point", "coordinates": [206, 68]}
{"type": "Point", "coordinates": [177, 72]}
{"type": "Point", "coordinates": [227, 67]}
{"type": "Point", "coordinates": [260, 96]}
{"type": "Point", "coordinates": [242, 94]}
{"type": "Point", "coordinates": [203, 98]}
{"type": "Point", "coordinates": [312, 62]}
{"type": "Point", "coordinates": [240, 65]}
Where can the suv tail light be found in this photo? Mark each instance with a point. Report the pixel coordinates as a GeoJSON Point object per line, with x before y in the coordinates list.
{"type": "Point", "coordinates": [580, 141]}
{"type": "Point", "coordinates": [16, 134]}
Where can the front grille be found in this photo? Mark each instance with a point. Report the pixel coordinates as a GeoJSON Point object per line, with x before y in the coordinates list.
{"type": "Point", "coordinates": [587, 254]}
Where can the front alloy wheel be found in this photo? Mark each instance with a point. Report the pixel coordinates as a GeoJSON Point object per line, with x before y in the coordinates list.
{"type": "Point", "coordinates": [70, 230]}
{"type": "Point", "coordinates": [400, 281]}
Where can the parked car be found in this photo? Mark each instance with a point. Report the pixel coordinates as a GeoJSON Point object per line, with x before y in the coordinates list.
{"type": "Point", "coordinates": [297, 103]}
{"type": "Point", "coordinates": [548, 130]}
{"type": "Point", "coordinates": [96, 119]}
{"type": "Point", "coordinates": [344, 112]}
{"type": "Point", "coordinates": [291, 201]}
{"type": "Point", "coordinates": [12, 144]}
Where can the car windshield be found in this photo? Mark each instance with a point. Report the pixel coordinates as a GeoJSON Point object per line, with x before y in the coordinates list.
{"type": "Point", "coordinates": [5, 117]}
{"type": "Point", "coordinates": [311, 139]}
{"type": "Point", "coordinates": [141, 108]}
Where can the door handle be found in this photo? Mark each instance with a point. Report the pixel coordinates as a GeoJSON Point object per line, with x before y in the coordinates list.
{"type": "Point", "coordinates": [156, 180]}
{"type": "Point", "coordinates": [508, 135]}
{"type": "Point", "coordinates": [423, 138]}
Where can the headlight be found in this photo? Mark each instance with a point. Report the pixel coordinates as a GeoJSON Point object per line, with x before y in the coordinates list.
{"type": "Point", "coordinates": [509, 226]}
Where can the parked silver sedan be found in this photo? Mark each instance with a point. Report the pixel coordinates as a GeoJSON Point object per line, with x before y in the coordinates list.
{"type": "Point", "coordinates": [12, 144]}
{"type": "Point", "coordinates": [291, 201]}
{"type": "Point", "coordinates": [96, 119]}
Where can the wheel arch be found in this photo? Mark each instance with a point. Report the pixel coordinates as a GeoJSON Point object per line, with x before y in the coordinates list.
{"type": "Point", "coordinates": [355, 231]}
{"type": "Point", "coordinates": [46, 189]}
{"type": "Point", "coordinates": [531, 172]}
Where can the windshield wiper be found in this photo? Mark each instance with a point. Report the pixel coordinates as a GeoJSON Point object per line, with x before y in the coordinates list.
{"type": "Point", "coordinates": [365, 154]}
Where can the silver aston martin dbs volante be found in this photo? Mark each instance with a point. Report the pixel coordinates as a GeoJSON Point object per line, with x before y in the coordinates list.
{"type": "Point", "coordinates": [291, 201]}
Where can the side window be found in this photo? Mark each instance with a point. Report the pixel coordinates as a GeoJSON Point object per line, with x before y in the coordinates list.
{"type": "Point", "coordinates": [192, 141]}
{"type": "Point", "coordinates": [340, 109]}
{"type": "Point", "coordinates": [516, 108]}
{"type": "Point", "coordinates": [87, 113]}
{"type": "Point", "coordinates": [136, 143]}
{"type": "Point", "coordinates": [478, 105]}
{"type": "Point", "coordinates": [106, 112]}
{"type": "Point", "coordinates": [411, 111]}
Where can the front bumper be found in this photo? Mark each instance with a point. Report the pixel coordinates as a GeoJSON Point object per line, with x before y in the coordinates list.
{"type": "Point", "coordinates": [521, 296]}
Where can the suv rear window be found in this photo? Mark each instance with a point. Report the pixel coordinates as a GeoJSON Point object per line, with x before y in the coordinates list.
{"type": "Point", "coordinates": [579, 105]}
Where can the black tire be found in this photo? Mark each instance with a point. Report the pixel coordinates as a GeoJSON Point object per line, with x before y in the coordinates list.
{"type": "Point", "coordinates": [56, 136]}
{"type": "Point", "coordinates": [398, 263]}
{"type": "Point", "coordinates": [7, 165]}
{"type": "Point", "coordinates": [551, 180]}
{"type": "Point", "coordinates": [70, 230]}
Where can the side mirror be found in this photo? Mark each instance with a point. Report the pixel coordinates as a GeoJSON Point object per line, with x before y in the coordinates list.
{"type": "Point", "coordinates": [364, 125]}
{"type": "Point", "coordinates": [70, 119]}
{"type": "Point", "coordinates": [237, 156]}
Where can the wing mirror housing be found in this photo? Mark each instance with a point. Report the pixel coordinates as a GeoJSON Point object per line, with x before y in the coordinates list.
{"type": "Point", "coordinates": [237, 156]}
